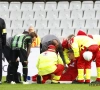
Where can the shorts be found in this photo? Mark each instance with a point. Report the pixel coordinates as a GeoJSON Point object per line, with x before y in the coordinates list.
{"type": "Point", "coordinates": [21, 53]}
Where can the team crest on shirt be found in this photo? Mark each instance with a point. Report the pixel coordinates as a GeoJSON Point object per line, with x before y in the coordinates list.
{"type": "Point", "coordinates": [72, 65]}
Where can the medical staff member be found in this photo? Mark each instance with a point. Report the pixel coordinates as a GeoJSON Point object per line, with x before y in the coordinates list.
{"type": "Point", "coordinates": [50, 65]}
{"type": "Point", "coordinates": [84, 49]}
{"type": "Point", "coordinates": [97, 59]}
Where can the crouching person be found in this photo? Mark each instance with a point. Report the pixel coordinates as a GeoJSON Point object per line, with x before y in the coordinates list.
{"type": "Point", "coordinates": [50, 65]}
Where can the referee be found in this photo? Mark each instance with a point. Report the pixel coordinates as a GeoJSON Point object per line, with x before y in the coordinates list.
{"type": "Point", "coordinates": [2, 42]}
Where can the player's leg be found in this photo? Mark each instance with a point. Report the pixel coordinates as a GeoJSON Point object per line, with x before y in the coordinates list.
{"type": "Point", "coordinates": [80, 67]}
{"type": "Point", "coordinates": [87, 71]}
{"type": "Point", "coordinates": [57, 73]}
{"type": "Point", "coordinates": [23, 59]}
{"type": "Point", "coordinates": [25, 71]}
{"type": "Point", "coordinates": [14, 65]}
{"type": "Point", "coordinates": [0, 65]}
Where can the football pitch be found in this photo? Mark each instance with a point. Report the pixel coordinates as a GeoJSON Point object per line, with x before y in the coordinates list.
{"type": "Point", "coordinates": [5, 86]}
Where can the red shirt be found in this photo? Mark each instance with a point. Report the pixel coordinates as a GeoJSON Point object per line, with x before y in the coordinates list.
{"type": "Point", "coordinates": [71, 72]}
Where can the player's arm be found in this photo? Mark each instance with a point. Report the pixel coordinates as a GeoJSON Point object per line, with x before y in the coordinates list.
{"type": "Point", "coordinates": [66, 56]}
{"type": "Point", "coordinates": [29, 46]}
{"type": "Point", "coordinates": [75, 49]}
{"type": "Point", "coordinates": [60, 50]}
{"type": "Point", "coordinates": [28, 49]}
{"type": "Point", "coordinates": [3, 33]}
{"type": "Point", "coordinates": [73, 44]}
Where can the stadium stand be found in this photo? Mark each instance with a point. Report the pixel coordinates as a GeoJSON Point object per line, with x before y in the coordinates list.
{"type": "Point", "coordinates": [56, 17]}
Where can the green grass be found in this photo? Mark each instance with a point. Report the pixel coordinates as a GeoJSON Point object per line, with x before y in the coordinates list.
{"type": "Point", "coordinates": [48, 87]}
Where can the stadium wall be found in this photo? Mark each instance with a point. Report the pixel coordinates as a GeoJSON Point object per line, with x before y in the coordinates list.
{"type": "Point", "coordinates": [45, 0]}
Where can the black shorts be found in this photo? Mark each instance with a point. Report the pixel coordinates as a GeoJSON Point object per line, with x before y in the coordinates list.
{"type": "Point", "coordinates": [22, 54]}
{"type": "Point", "coordinates": [7, 53]}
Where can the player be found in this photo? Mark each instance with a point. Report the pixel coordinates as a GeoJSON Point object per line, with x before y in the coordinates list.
{"type": "Point", "coordinates": [20, 46]}
{"type": "Point", "coordinates": [2, 42]}
{"type": "Point", "coordinates": [71, 72]}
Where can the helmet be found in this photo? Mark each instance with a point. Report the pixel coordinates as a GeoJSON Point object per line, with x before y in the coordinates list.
{"type": "Point", "coordinates": [87, 55]}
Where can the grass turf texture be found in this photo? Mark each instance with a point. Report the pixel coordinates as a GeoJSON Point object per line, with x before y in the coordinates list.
{"type": "Point", "coordinates": [5, 86]}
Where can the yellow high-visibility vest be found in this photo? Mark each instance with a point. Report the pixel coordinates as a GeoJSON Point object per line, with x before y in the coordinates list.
{"type": "Point", "coordinates": [47, 62]}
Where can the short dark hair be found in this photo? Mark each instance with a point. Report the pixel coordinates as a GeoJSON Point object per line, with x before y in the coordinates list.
{"type": "Point", "coordinates": [51, 43]}
{"type": "Point", "coordinates": [33, 34]}
{"type": "Point", "coordinates": [70, 36]}
{"type": "Point", "coordinates": [25, 32]}
{"type": "Point", "coordinates": [70, 50]}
